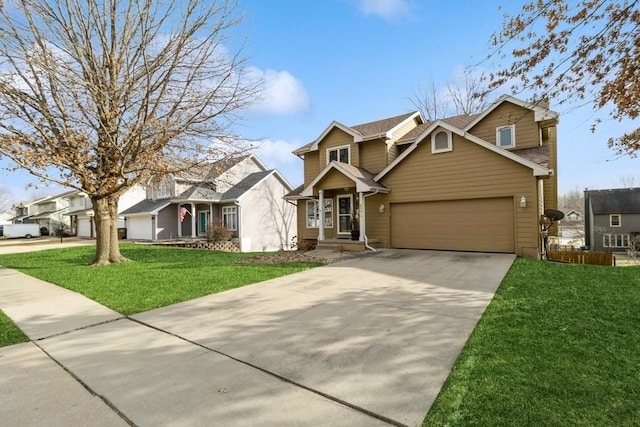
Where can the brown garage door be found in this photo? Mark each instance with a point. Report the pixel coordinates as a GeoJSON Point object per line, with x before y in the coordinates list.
{"type": "Point", "coordinates": [464, 225]}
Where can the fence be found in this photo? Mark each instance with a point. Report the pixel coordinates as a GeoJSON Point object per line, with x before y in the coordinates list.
{"type": "Point", "coordinates": [583, 257]}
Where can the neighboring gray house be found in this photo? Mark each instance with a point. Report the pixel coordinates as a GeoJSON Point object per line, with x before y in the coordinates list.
{"type": "Point", "coordinates": [24, 211]}
{"type": "Point", "coordinates": [612, 218]}
{"type": "Point", "coordinates": [240, 193]}
{"type": "Point", "coordinates": [80, 210]}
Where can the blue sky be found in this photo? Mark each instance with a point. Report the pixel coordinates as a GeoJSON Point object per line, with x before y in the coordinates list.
{"type": "Point", "coordinates": [356, 61]}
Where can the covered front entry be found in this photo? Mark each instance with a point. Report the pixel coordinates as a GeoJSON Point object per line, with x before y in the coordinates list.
{"type": "Point", "coordinates": [483, 225]}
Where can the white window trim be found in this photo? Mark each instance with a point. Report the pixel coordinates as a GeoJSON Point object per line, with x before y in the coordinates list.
{"type": "Point", "coordinates": [513, 136]}
{"type": "Point", "coordinates": [607, 238]}
{"type": "Point", "coordinates": [317, 212]}
{"type": "Point", "coordinates": [338, 214]}
{"type": "Point", "coordinates": [435, 150]}
{"type": "Point", "coordinates": [227, 211]}
{"type": "Point", "coordinates": [348, 147]}
{"type": "Point", "coordinates": [619, 220]}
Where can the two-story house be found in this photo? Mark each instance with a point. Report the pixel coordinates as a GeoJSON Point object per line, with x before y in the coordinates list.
{"type": "Point", "coordinates": [50, 214]}
{"type": "Point", "coordinates": [240, 193]}
{"type": "Point", "coordinates": [23, 211]}
{"type": "Point", "coordinates": [612, 219]}
{"type": "Point", "coordinates": [80, 210]}
{"type": "Point", "coordinates": [469, 183]}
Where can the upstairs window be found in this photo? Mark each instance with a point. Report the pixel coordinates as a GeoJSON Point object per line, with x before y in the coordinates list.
{"type": "Point", "coordinates": [441, 141]}
{"type": "Point", "coordinates": [339, 154]}
{"type": "Point", "coordinates": [506, 136]}
{"type": "Point", "coordinates": [615, 220]}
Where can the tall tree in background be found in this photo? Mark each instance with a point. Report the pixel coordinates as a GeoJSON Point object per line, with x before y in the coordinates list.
{"type": "Point", "coordinates": [586, 52]}
{"type": "Point", "coordinates": [100, 95]}
{"type": "Point", "coordinates": [467, 95]}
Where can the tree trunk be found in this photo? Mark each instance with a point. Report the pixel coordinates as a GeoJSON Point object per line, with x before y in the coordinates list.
{"type": "Point", "coordinates": [106, 221]}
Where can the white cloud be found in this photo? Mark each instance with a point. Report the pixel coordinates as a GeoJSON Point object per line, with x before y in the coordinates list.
{"type": "Point", "coordinates": [277, 152]}
{"type": "Point", "coordinates": [282, 93]}
{"type": "Point", "coordinates": [389, 10]}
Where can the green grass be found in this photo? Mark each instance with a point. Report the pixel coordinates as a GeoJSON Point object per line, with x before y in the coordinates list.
{"type": "Point", "coordinates": [159, 276]}
{"type": "Point", "coordinates": [9, 333]}
{"type": "Point", "coordinates": [558, 346]}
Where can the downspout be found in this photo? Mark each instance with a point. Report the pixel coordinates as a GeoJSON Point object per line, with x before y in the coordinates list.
{"type": "Point", "coordinates": [363, 208]}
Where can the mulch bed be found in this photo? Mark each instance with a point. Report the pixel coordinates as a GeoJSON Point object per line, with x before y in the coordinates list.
{"type": "Point", "coordinates": [283, 258]}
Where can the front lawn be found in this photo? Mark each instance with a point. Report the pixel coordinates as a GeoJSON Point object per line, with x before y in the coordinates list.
{"type": "Point", "coordinates": [159, 276]}
{"type": "Point", "coordinates": [9, 333]}
{"type": "Point", "coordinates": [559, 345]}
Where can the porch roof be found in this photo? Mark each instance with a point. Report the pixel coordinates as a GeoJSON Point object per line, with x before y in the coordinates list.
{"type": "Point", "coordinates": [150, 207]}
{"type": "Point", "coordinates": [362, 178]}
{"type": "Point", "coordinates": [45, 215]}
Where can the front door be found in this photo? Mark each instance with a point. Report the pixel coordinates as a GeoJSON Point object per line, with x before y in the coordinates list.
{"type": "Point", "coordinates": [345, 208]}
{"type": "Point", "coordinates": [203, 221]}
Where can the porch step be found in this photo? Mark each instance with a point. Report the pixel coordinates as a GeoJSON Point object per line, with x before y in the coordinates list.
{"type": "Point", "coordinates": [329, 247]}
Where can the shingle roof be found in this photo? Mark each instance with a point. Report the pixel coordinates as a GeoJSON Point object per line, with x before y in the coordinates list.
{"type": "Point", "coordinates": [199, 192]}
{"type": "Point", "coordinates": [461, 120]}
{"type": "Point", "coordinates": [146, 206]}
{"type": "Point", "coordinates": [295, 192]}
{"type": "Point", "coordinates": [210, 171]}
{"type": "Point", "coordinates": [538, 155]}
{"type": "Point", "coordinates": [380, 126]}
{"type": "Point", "coordinates": [617, 200]}
{"type": "Point", "coordinates": [363, 175]}
{"type": "Point", "coordinates": [245, 185]}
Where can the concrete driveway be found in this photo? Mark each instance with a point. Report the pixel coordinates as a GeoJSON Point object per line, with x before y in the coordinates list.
{"type": "Point", "coordinates": [366, 341]}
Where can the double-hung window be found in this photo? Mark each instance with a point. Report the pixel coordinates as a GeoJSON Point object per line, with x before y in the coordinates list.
{"type": "Point", "coordinates": [615, 240]}
{"type": "Point", "coordinates": [615, 220]}
{"type": "Point", "coordinates": [339, 154]}
{"type": "Point", "coordinates": [506, 136]}
{"type": "Point", "coordinates": [313, 213]}
{"type": "Point", "coordinates": [230, 217]}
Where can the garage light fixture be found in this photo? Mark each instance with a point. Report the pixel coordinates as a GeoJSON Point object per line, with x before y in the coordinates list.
{"type": "Point", "coordinates": [381, 208]}
{"type": "Point", "coordinates": [523, 202]}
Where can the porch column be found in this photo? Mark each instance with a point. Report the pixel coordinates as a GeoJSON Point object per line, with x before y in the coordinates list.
{"type": "Point", "coordinates": [321, 214]}
{"type": "Point", "coordinates": [362, 212]}
{"type": "Point", "coordinates": [179, 222]}
{"type": "Point", "coordinates": [193, 220]}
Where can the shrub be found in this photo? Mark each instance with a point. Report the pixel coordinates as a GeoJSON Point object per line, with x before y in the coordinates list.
{"type": "Point", "coordinates": [216, 232]}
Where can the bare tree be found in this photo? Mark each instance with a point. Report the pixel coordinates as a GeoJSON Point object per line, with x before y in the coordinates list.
{"type": "Point", "coordinates": [467, 95]}
{"type": "Point", "coordinates": [100, 95]}
{"type": "Point", "coordinates": [427, 100]}
{"type": "Point", "coordinates": [585, 52]}
{"type": "Point", "coordinates": [628, 181]}
{"type": "Point", "coordinates": [6, 199]}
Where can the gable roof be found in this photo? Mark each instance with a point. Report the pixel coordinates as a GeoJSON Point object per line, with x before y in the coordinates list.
{"type": "Point", "coordinates": [370, 130]}
{"type": "Point", "coordinates": [614, 201]}
{"type": "Point", "coordinates": [459, 121]}
{"type": "Point", "coordinates": [537, 169]}
{"type": "Point", "coordinates": [540, 113]}
{"type": "Point", "coordinates": [364, 180]}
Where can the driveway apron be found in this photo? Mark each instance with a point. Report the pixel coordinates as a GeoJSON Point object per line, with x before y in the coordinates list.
{"type": "Point", "coordinates": [366, 341]}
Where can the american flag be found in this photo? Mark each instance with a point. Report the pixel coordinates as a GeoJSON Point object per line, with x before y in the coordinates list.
{"type": "Point", "coordinates": [183, 213]}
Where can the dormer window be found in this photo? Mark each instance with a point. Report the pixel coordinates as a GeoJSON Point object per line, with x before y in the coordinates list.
{"type": "Point", "coordinates": [164, 189]}
{"type": "Point", "coordinates": [339, 154]}
{"type": "Point", "coordinates": [441, 141]}
{"type": "Point", "coordinates": [506, 136]}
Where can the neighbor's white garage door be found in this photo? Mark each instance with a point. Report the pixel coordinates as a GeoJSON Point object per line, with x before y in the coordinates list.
{"type": "Point", "coordinates": [484, 225]}
{"type": "Point", "coordinates": [139, 227]}
{"type": "Point", "coordinates": [84, 227]}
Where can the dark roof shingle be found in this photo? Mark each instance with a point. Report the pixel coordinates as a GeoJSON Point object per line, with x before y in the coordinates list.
{"type": "Point", "coordinates": [617, 200]}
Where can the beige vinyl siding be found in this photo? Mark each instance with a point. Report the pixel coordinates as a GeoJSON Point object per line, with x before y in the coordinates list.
{"type": "Point", "coordinates": [378, 222]}
{"type": "Point", "coordinates": [392, 152]}
{"type": "Point", "coordinates": [527, 130]}
{"type": "Point", "coordinates": [402, 130]}
{"type": "Point", "coordinates": [373, 155]}
{"type": "Point", "coordinates": [551, 183]}
{"type": "Point", "coordinates": [467, 172]}
{"type": "Point", "coordinates": [311, 166]}
{"type": "Point", "coordinates": [334, 180]}
{"type": "Point", "coordinates": [337, 138]}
